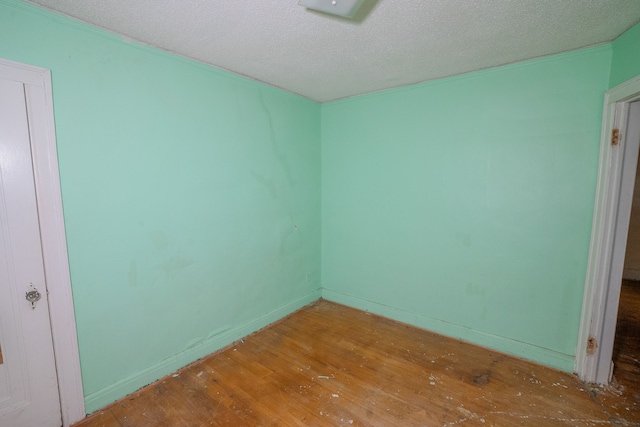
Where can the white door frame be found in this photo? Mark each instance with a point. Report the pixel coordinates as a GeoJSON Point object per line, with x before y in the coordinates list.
{"type": "Point", "coordinates": [600, 302]}
{"type": "Point", "coordinates": [37, 83]}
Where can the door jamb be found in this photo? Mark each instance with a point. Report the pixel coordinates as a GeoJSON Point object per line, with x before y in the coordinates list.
{"type": "Point", "coordinates": [37, 82]}
{"type": "Point", "coordinates": [594, 354]}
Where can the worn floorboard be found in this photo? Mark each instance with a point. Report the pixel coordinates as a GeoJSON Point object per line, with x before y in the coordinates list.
{"type": "Point", "coordinates": [330, 365]}
{"type": "Point", "coordinates": [626, 351]}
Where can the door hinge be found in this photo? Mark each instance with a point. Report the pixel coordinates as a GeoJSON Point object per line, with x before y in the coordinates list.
{"type": "Point", "coordinates": [592, 345]}
{"type": "Point", "coordinates": [615, 136]}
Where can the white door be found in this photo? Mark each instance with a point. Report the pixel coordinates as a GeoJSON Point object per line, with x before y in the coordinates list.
{"type": "Point", "coordinates": [29, 394]}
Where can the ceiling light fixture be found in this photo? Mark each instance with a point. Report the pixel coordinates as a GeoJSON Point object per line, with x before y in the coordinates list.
{"type": "Point", "coordinates": [346, 8]}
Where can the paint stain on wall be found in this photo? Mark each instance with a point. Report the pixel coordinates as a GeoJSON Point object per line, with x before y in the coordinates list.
{"type": "Point", "coordinates": [267, 183]}
{"type": "Point", "coordinates": [280, 157]}
{"type": "Point", "coordinates": [475, 290]}
{"type": "Point", "coordinates": [1, 356]}
{"type": "Point", "coordinates": [173, 265]}
{"type": "Point", "coordinates": [159, 239]}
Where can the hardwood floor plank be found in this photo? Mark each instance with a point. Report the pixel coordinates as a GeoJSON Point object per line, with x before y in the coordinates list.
{"type": "Point", "coordinates": [101, 419]}
{"type": "Point", "coordinates": [330, 365]}
{"type": "Point", "coordinates": [626, 354]}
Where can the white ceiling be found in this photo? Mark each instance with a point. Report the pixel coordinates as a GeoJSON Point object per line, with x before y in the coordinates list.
{"type": "Point", "coordinates": [390, 43]}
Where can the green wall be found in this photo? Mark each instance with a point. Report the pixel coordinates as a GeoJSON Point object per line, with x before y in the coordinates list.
{"type": "Point", "coordinates": [625, 64]}
{"type": "Point", "coordinates": [191, 198]}
{"type": "Point", "coordinates": [464, 205]}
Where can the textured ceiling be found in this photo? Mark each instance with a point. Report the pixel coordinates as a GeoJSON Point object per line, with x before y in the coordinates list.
{"type": "Point", "coordinates": [390, 43]}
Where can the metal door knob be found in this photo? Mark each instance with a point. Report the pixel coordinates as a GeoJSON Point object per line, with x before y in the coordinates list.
{"type": "Point", "coordinates": [33, 296]}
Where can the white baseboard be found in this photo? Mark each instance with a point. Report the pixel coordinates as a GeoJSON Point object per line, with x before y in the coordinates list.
{"type": "Point", "coordinates": [219, 339]}
{"type": "Point", "coordinates": [544, 356]}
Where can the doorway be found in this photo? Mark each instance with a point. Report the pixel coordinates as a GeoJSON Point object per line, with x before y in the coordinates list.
{"type": "Point", "coordinates": [30, 183]}
{"type": "Point", "coordinates": [626, 348]}
{"type": "Point", "coordinates": [614, 195]}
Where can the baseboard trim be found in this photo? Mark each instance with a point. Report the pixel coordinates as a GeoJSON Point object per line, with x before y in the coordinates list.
{"type": "Point", "coordinates": [544, 356]}
{"type": "Point", "coordinates": [219, 339]}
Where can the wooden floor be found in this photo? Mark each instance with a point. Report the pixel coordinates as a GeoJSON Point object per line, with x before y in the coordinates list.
{"type": "Point", "coordinates": [329, 365]}
{"type": "Point", "coordinates": [626, 351]}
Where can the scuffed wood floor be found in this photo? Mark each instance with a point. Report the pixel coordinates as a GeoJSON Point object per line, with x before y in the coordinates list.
{"type": "Point", "coordinates": [329, 365]}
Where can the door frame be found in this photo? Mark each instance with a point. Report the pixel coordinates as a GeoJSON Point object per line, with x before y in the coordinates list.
{"type": "Point", "coordinates": [37, 82]}
{"type": "Point", "coordinates": [600, 302]}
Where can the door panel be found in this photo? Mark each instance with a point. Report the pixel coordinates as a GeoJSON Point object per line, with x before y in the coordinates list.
{"type": "Point", "coordinates": [28, 383]}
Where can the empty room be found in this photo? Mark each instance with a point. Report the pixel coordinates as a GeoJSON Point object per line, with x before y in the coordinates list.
{"type": "Point", "coordinates": [317, 212]}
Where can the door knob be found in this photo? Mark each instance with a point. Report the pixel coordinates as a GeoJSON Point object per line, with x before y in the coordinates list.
{"type": "Point", "coordinates": [33, 296]}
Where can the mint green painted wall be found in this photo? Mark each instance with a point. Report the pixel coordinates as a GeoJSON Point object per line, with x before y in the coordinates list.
{"type": "Point", "coordinates": [191, 198]}
{"type": "Point", "coordinates": [464, 205]}
{"type": "Point", "coordinates": [625, 64]}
